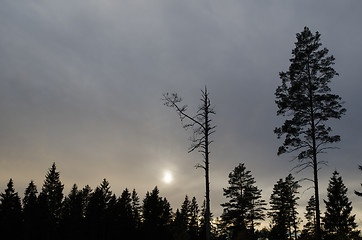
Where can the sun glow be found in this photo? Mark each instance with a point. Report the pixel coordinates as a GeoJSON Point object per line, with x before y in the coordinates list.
{"type": "Point", "coordinates": [167, 177]}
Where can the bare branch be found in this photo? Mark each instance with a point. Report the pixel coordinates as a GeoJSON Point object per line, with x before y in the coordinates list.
{"type": "Point", "coordinates": [306, 179]}
{"type": "Point", "coordinates": [311, 187]}
{"type": "Point", "coordinates": [173, 101]}
{"type": "Point", "coordinates": [199, 166]}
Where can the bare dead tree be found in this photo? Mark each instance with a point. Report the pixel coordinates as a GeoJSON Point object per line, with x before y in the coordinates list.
{"type": "Point", "coordinates": [202, 129]}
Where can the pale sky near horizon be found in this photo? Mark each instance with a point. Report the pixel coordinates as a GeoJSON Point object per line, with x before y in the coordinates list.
{"type": "Point", "coordinates": [81, 84]}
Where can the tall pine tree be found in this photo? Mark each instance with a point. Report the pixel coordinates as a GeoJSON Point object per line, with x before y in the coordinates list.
{"type": "Point", "coordinates": [305, 99]}
{"type": "Point", "coordinates": [339, 223]}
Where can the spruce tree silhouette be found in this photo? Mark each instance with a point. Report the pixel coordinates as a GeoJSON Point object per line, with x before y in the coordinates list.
{"type": "Point", "coordinates": [283, 213]}
{"type": "Point", "coordinates": [127, 220]}
{"type": "Point", "coordinates": [156, 216]}
{"type": "Point", "coordinates": [50, 203]}
{"type": "Point", "coordinates": [194, 220]}
{"type": "Point", "coordinates": [10, 212]}
{"type": "Point", "coordinates": [31, 212]}
{"type": "Point", "coordinates": [339, 223]}
{"type": "Point", "coordinates": [245, 206]}
{"type": "Point", "coordinates": [96, 213]}
{"type": "Point", "coordinates": [309, 228]}
{"type": "Point", "coordinates": [72, 214]}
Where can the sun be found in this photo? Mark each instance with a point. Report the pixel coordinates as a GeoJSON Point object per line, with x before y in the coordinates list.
{"type": "Point", "coordinates": [167, 177]}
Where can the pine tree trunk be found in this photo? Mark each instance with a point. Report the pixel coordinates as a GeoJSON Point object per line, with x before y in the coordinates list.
{"type": "Point", "coordinates": [315, 171]}
{"type": "Point", "coordinates": [316, 193]}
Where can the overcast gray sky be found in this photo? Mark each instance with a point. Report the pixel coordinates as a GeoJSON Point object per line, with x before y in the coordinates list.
{"type": "Point", "coordinates": [81, 84]}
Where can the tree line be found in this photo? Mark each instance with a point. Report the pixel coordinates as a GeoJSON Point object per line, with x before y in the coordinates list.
{"type": "Point", "coordinates": [93, 213]}
{"type": "Point", "coordinates": [99, 214]}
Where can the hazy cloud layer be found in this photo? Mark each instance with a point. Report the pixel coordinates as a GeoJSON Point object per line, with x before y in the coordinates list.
{"type": "Point", "coordinates": [81, 83]}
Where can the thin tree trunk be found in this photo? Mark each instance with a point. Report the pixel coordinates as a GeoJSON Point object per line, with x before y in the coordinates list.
{"type": "Point", "coordinates": [207, 181]}
{"type": "Point", "coordinates": [294, 224]}
{"type": "Point", "coordinates": [290, 230]}
{"type": "Point", "coordinates": [207, 214]}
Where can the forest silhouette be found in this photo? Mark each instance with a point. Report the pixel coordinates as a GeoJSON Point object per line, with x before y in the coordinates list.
{"type": "Point", "coordinates": [99, 214]}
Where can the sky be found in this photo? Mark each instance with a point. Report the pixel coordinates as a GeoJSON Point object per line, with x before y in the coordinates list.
{"type": "Point", "coordinates": [81, 84]}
